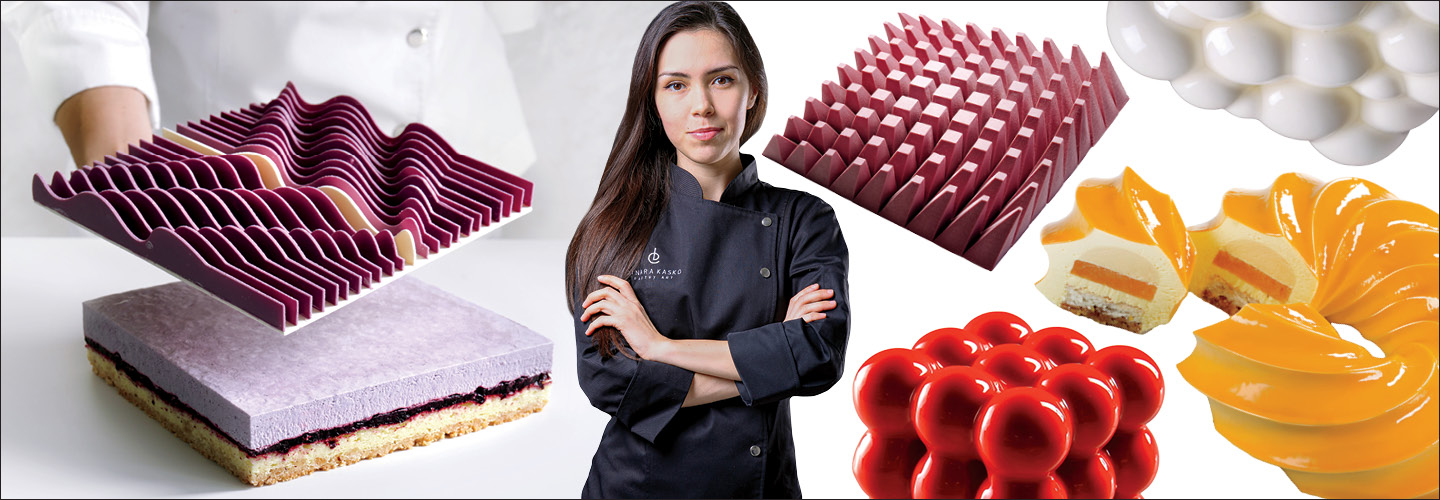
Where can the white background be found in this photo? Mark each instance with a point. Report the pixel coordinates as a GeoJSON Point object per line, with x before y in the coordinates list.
{"type": "Point", "coordinates": [903, 286]}
{"type": "Point", "coordinates": [67, 434]}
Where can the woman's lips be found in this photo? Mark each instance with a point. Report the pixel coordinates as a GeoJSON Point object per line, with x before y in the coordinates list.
{"type": "Point", "coordinates": [704, 134]}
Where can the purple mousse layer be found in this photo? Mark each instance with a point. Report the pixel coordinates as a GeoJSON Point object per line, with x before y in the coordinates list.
{"type": "Point", "coordinates": [330, 436]}
{"type": "Point", "coordinates": [408, 346]}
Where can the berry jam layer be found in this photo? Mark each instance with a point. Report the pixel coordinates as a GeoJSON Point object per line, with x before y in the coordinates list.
{"type": "Point", "coordinates": [480, 395]}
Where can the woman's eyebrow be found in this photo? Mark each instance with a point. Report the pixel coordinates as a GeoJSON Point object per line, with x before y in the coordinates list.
{"type": "Point", "coordinates": [721, 69]}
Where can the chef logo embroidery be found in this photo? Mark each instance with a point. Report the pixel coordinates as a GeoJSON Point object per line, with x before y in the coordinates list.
{"type": "Point", "coordinates": [654, 273]}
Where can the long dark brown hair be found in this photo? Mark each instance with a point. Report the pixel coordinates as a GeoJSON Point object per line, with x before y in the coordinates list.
{"type": "Point", "coordinates": [635, 187]}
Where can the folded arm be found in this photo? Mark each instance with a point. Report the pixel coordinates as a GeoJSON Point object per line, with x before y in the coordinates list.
{"type": "Point", "coordinates": [642, 395]}
{"type": "Point", "coordinates": [802, 355]}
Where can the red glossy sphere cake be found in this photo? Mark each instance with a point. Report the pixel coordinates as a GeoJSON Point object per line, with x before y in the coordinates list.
{"type": "Point", "coordinates": [996, 410]}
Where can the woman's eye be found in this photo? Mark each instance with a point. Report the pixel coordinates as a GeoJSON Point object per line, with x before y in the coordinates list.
{"type": "Point", "coordinates": [724, 80]}
{"type": "Point", "coordinates": [674, 86]}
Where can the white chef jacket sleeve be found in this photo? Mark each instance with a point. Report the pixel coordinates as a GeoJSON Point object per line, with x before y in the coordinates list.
{"type": "Point", "coordinates": [73, 46]}
{"type": "Point", "coordinates": [514, 17]}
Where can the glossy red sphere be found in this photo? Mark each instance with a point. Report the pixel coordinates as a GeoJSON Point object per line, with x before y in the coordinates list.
{"type": "Point", "coordinates": [1049, 487]}
{"type": "Point", "coordinates": [1088, 477]}
{"type": "Point", "coordinates": [940, 477]}
{"type": "Point", "coordinates": [1014, 364]}
{"type": "Point", "coordinates": [884, 386]}
{"type": "Point", "coordinates": [884, 466]}
{"type": "Point", "coordinates": [1142, 388]}
{"type": "Point", "coordinates": [1062, 345]}
{"type": "Point", "coordinates": [1093, 400]}
{"type": "Point", "coordinates": [952, 346]}
{"type": "Point", "coordinates": [994, 410]}
{"type": "Point", "coordinates": [1023, 433]}
{"type": "Point", "coordinates": [946, 406]}
{"type": "Point", "coordinates": [1137, 459]}
{"type": "Point", "coordinates": [999, 327]}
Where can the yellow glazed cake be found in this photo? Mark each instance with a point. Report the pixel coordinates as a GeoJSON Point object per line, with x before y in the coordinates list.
{"type": "Point", "coordinates": [1283, 386]}
{"type": "Point", "coordinates": [1122, 257]}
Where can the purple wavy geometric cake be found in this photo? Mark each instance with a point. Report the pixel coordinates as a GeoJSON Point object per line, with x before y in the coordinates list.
{"type": "Point", "coordinates": [288, 210]}
{"type": "Point", "coordinates": [410, 364]}
{"type": "Point", "coordinates": [958, 135]}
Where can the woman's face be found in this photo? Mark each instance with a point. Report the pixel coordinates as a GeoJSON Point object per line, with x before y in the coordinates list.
{"type": "Point", "coordinates": [702, 96]}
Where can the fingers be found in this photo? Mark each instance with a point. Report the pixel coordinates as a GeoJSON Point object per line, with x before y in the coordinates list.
{"type": "Point", "coordinates": [810, 295]}
{"type": "Point", "coordinates": [613, 286]}
{"type": "Point", "coordinates": [613, 294]}
{"type": "Point", "coordinates": [802, 292]}
{"type": "Point", "coordinates": [596, 296]}
{"type": "Point", "coordinates": [815, 307]}
{"type": "Point", "coordinates": [616, 295]}
{"type": "Point", "coordinates": [813, 290]}
{"type": "Point", "coordinates": [602, 321]}
{"type": "Point", "coordinates": [621, 285]}
{"type": "Point", "coordinates": [599, 307]}
{"type": "Point", "coordinates": [809, 303]}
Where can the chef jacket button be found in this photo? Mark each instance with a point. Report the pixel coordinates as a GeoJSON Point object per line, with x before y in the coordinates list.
{"type": "Point", "coordinates": [754, 450]}
{"type": "Point", "coordinates": [764, 272]}
{"type": "Point", "coordinates": [417, 37]}
{"type": "Point", "coordinates": [766, 222]}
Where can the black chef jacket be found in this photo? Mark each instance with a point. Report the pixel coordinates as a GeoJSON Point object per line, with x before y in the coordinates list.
{"type": "Point", "coordinates": [726, 271]}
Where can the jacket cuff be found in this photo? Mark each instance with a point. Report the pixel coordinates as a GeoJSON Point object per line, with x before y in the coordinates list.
{"type": "Point", "coordinates": [70, 48]}
{"type": "Point", "coordinates": [764, 360]}
{"type": "Point", "coordinates": [656, 392]}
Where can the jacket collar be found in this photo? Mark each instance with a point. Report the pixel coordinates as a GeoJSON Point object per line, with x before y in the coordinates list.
{"type": "Point", "coordinates": [684, 184]}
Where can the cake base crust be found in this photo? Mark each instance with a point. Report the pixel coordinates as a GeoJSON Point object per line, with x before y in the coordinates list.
{"type": "Point", "coordinates": [301, 460]}
{"type": "Point", "coordinates": [1221, 294]}
{"type": "Point", "coordinates": [1102, 311]}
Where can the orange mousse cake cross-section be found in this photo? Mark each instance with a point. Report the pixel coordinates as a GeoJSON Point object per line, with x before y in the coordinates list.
{"type": "Point", "coordinates": [1122, 257]}
{"type": "Point", "coordinates": [1262, 247]}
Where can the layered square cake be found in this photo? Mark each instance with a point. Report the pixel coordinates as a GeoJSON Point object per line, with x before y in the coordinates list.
{"type": "Point", "coordinates": [412, 366]}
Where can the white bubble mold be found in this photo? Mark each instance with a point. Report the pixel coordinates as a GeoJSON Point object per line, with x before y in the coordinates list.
{"type": "Point", "coordinates": [1353, 78]}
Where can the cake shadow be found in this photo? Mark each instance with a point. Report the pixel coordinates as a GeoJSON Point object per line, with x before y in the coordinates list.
{"type": "Point", "coordinates": [67, 433]}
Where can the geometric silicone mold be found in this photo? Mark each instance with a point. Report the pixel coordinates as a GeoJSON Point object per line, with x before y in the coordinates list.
{"type": "Point", "coordinates": [1352, 78]}
{"type": "Point", "coordinates": [288, 210]}
{"type": "Point", "coordinates": [958, 135]}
